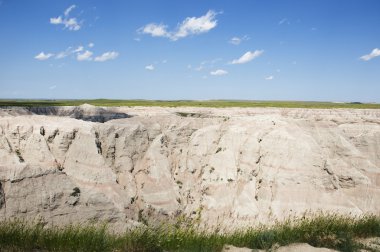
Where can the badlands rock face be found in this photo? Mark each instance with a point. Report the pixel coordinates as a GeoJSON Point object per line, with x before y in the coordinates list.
{"type": "Point", "coordinates": [228, 167]}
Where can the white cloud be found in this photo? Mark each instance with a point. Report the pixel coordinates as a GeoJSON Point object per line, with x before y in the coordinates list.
{"type": "Point", "coordinates": [43, 56]}
{"type": "Point", "coordinates": [375, 53]}
{"type": "Point", "coordinates": [247, 57]}
{"type": "Point", "coordinates": [155, 30]}
{"type": "Point", "coordinates": [80, 53]}
{"type": "Point", "coordinates": [61, 55]}
{"type": "Point", "coordinates": [68, 10]}
{"type": "Point", "coordinates": [194, 25]}
{"type": "Point", "coordinates": [237, 40]}
{"type": "Point", "coordinates": [57, 20]}
{"type": "Point", "coordinates": [70, 23]}
{"type": "Point", "coordinates": [219, 72]}
{"type": "Point", "coordinates": [53, 87]}
{"type": "Point", "coordinates": [207, 64]}
{"type": "Point", "coordinates": [79, 49]}
{"type": "Point", "coordinates": [91, 45]}
{"type": "Point", "coordinates": [107, 56]}
{"type": "Point", "coordinates": [64, 54]}
{"type": "Point", "coordinates": [149, 67]}
{"type": "Point", "coordinates": [84, 56]}
{"type": "Point", "coordinates": [271, 77]}
{"type": "Point", "coordinates": [284, 21]}
{"type": "Point", "coordinates": [69, 51]}
{"type": "Point", "coordinates": [189, 26]}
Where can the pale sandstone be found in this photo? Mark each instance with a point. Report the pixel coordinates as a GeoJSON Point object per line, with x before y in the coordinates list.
{"type": "Point", "coordinates": [296, 247]}
{"type": "Point", "coordinates": [230, 167]}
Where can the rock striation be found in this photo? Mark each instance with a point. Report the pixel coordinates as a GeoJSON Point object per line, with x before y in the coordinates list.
{"type": "Point", "coordinates": [227, 167]}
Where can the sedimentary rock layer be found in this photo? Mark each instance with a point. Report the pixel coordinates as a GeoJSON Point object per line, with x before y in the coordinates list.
{"type": "Point", "coordinates": [228, 167]}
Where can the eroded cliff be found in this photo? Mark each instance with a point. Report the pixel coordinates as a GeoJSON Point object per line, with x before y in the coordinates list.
{"type": "Point", "coordinates": [227, 167]}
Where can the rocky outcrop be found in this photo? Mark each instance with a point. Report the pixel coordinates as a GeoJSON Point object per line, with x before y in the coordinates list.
{"type": "Point", "coordinates": [370, 244]}
{"type": "Point", "coordinates": [296, 247]}
{"type": "Point", "coordinates": [84, 112]}
{"type": "Point", "coordinates": [222, 167]}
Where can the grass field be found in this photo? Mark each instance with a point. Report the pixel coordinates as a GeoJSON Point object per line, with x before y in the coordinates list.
{"type": "Point", "coordinates": [332, 231]}
{"type": "Point", "coordinates": [181, 103]}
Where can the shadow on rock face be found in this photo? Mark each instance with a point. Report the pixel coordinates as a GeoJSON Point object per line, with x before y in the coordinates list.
{"type": "Point", "coordinates": [84, 112]}
{"type": "Point", "coordinates": [101, 118]}
{"type": "Point", "coordinates": [2, 197]}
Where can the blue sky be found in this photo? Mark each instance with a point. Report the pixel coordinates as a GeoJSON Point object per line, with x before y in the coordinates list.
{"type": "Point", "coordinates": [322, 50]}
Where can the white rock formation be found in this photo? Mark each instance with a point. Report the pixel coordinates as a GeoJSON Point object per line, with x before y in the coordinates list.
{"type": "Point", "coordinates": [296, 247]}
{"type": "Point", "coordinates": [229, 167]}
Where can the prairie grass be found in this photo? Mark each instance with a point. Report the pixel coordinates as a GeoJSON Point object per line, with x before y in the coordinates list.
{"type": "Point", "coordinates": [189, 103]}
{"type": "Point", "coordinates": [325, 230]}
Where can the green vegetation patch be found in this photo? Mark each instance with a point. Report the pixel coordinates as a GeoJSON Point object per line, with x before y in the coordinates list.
{"type": "Point", "coordinates": [332, 231]}
{"type": "Point", "coordinates": [189, 103]}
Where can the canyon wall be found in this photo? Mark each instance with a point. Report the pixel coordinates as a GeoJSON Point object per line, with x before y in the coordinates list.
{"type": "Point", "coordinates": [228, 167]}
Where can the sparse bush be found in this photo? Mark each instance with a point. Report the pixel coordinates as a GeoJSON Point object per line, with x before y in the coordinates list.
{"type": "Point", "coordinates": [179, 183]}
{"type": "Point", "coordinates": [42, 130]}
{"type": "Point", "coordinates": [20, 158]}
{"type": "Point", "coordinates": [76, 192]}
{"type": "Point", "coordinates": [141, 217]}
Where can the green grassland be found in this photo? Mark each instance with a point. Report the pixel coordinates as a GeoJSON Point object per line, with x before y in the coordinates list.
{"type": "Point", "coordinates": [190, 103]}
{"type": "Point", "coordinates": [332, 231]}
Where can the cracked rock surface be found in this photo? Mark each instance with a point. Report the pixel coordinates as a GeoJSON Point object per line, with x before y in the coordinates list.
{"type": "Point", "coordinates": [230, 167]}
